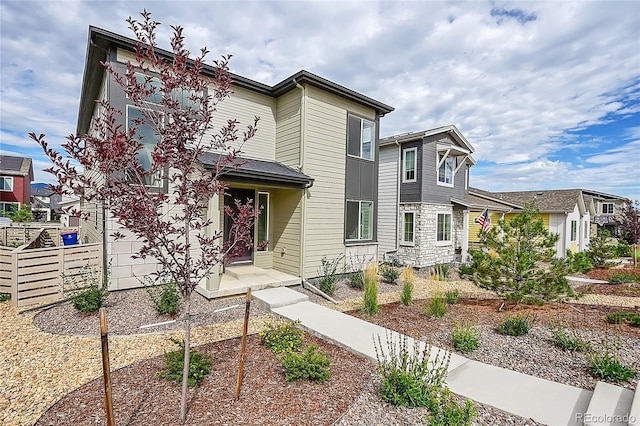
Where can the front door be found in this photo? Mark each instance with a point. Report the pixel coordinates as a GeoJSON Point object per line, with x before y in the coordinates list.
{"type": "Point", "coordinates": [246, 254]}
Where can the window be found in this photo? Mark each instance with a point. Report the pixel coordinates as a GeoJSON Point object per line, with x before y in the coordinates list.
{"type": "Point", "coordinates": [6, 183]}
{"type": "Point", "coordinates": [408, 228]}
{"type": "Point", "coordinates": [359, 222]}
{"type": "Point", "coordinates": [443, 232]}
{"type": "Point", "coordinates": [146, 134]}
{"type": "Point", "coordinates": [574, 230]}
{"type": "Point", "coordinates": [263, 220]}
{"type": "Point", "coordinates": [607, 208]}
{"type": "Point", "coordinates": [445, 170]}
{"type": "Point", "coordinates": [361, 138]}
{"type": "Point", "coordinates": [409, 165]}
{"type": "Point", "coordinates": [9, 208]}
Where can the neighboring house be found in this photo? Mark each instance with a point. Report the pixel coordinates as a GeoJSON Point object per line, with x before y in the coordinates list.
{"type": "Point", "coordinates": [425, 204]}
{"type": "Point", "coordinates": [565, 212]}
{"type": "Point", "coordinates": [607, 210]}
{"type": "Point", "coordinates": [16, 175]}
{"type": "Point", "coordinates": [45, 203]}
{"type": "Point", "coordinates": [313, 165]}
{"type": "Point", "coordinates": [68, 208]}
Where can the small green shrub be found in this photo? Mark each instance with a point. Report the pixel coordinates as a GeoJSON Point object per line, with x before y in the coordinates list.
{"type": "Point", "coordinates": [165, 297]}
{"type": "Point", "coordinates": [617, 317]}
{"type": "Point", "coordinates": [282, 337]}
{"type": "Point", "coordinates": [437, 307]}
{"type": "Point", "coordinates": [465, 338]}
{"type": "Point", "coordinates": [441, 271]}
{"type": "Point", "coordinates": [569, 339]}
{"type": "Point", "coordinates": [310, 365]}
{"type": "Point", "coordinates": [608, 368]}
{"type": "Point", "coordinates": [624, 278]}
{"type": "Point", "coordinates": [406, 296]}
{"type": "Point", "coordinates": [389, 273]}
{"type": "Point", "coordinates": [634, 321]}
{"type": "Point", "coordinates": [86, 291]}
{"type": "Point", "coordinates": [452, 296]}
{"type": "Point", "coordinates": [622, 249]}
{"type": "Point", "coordinates": [445, 410]}
{"type": "Point", "coordinates": [199, 365]}
{"type": "Point", "coordinates": [356, 279]}
{"type": "Point", "coordinates": [466, 269]}
{"type": "Point", "coordinates": [407, 374]}
{"type": "Point", "coordinates": [329, 272]}
{"type": "Point", "coordinates": [370, 304]}
{"type": "Point", "coordinates": [517, 325]}
{"type": "Point", "coordinates": [4, 297]}
{"type": "Point", "coordinates": [89, 299]}
{"type": "Point", "coordinates": [578, 262]}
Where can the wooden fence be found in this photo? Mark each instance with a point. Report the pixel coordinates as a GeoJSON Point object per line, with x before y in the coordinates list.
{"type": "Point", "coordinates": [15, 235]}
{"type": "Point", "coordinates": [35, 275]}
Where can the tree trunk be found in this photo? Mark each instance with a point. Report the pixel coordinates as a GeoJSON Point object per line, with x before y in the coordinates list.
{"type": "Point", "coordinates": [187, 359]}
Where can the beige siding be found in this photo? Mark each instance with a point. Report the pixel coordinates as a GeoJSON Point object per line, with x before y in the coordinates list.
{"type": "Point", "coordinates": [288, 128]}
{"type": "Point", "coordinates": [285, 224]}
{"type": "Point", "coordinates": [324, 160]}
{"type": "Point", "coordinates": [388, 199]}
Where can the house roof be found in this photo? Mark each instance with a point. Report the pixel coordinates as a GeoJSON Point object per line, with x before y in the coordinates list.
{"type": "Point", "coordinates": [101, 41]}
{"type": "Point", "coordinates": [548, 201]}
{"type": "Point", "coordinates": [271, 173]}
{"type": "Point", "coordinates": [42, 191]}
{"type": "Point", "coordinates": [476, 203]}
{"type": "Point", "coordinates": [16, 166]}
{"type": "Point", "coordinates": [412, 136]}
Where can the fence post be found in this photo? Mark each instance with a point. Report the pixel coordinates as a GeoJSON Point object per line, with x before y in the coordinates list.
{"type": "Point", "coordinates": [14, 277]}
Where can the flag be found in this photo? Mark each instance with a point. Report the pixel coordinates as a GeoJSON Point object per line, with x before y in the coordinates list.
{"type": "Point", "coordinates": [483, 220]}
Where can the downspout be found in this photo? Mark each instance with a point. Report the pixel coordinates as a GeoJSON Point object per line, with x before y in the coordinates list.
{"type": "Point", "coordinates": [303, 137]}
{"type": "Point", "coordinates": [398, 178]}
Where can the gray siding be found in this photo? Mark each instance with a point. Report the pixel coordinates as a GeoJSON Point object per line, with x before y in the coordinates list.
{"type": "Point", "coordinates": [388, 199]}
{"type": "Point", "coordinates": [410, 192]}
{"type": "Point", "coordinates": [431, 191]}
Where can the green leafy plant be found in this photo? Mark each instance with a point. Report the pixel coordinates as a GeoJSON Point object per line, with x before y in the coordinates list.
{"type": "Point", "coordinates": [87, 290]}
{"type": "Point", "coordinates": [23, 214]}
{"type": "Point", "coordinates": [329, 272]}
{"type": "Point", "coordinates": [578, 262]}
{"type": "Point", "coordinates": [441, 271]}
{"type": "Point", "coordinates": [452, 296]}
{"type": "Point", "coordinates": [600, 252]}
{"type": "Point", "coordinates": [569, 339]}
{"type": "Point", "coordinates": [406, 295]}
{"type": "Point", "coordinates": [517, 325]}
{"type": "Point", "coordinates": [356, 279]}
{"type": "Point", "coordinates": [622, 249]}
{"type": "Point", "coordinates": [465, 338]}
{"type": "Point", "coordinates": [407, 373]}
{"type": "Point", "coordinates": [624, 277]}
{"type": "Point", "coordinates": [282, 337]}
{"type": "Point", "coordinates": [370, 304]}
{"type": "Point", "coordinates": [389, 273]}
{"type": "Point", "coordinates": [199, 365]}
{"type": "Point", "coordinates": [620, 317]}
{"type": "Point", "coordinates": [437, 307]}
{"type": "Point", "coordinates": [310, 365]}
{"type": "Point", "coordinates": [445, 410]}
{"type": "Point", "coordinates": [4, 297]}
{"type": "Point", "coordinates": [634, 321]}
{"type": "Point", "coordinates": [165, 297]}
{"type": "Point", "coordinates": [604, 362]}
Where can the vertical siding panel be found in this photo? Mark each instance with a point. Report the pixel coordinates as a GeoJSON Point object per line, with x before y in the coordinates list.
{"type": "Point", "coordinates": [287, 150]}
{"type": "Point", "coordinates": [388, 199]}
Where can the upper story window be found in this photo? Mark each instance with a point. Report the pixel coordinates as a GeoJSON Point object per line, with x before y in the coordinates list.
{"type": "Point", "coordinates": [443, 230]}
{"type": "Point", "coordinates": [359, 220]}
{"type": "Point", "coordinates": [361, 138]}
{"type": "Point", "coordinates": [445, 169]}
{"type": "Point", "coordinates": [6, 183]}
{"type": "Point", "coordinates": [409, 165]}
{"type": "Point", "coordinates": [607, 208]}
{"type": "Point", "coordinates": [145, 132]}
{"type": "Point", "coordinates": [154, 95]}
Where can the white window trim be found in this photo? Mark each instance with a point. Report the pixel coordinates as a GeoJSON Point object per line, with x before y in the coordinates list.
{"type": "Point", "coordinates": [404, 165]}
{"type": "Point", "coordinates": [3, 203]}
{"type": "Point", "coordinates": [573, 231]}
{"type": "Point", "coordinates": [613, 208]}
{"type": "Point", "coordinates": [360, 221]}
{"type": "Point", "coordinates": [445, 242]}
{"type": "Point", "coordinates": [373, 138]}
{"type": "Point", "coordinates": [10, 179]}
{"type": "Point", "coordinates": [265, 212]}
{"type": "Point", "coordinates": [402, 240]}
{"type": "Point", "coordinates": [439, 164]}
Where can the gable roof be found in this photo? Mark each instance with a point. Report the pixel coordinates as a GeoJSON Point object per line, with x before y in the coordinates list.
{"type": "Point", "coordinates": [548, 201]}
{"type": "Point", "coordinates": [412, 136]}
{"type": "Point", "coordinates": [16, 166]}
{"type": "Point", "coordinates": [102, 41]}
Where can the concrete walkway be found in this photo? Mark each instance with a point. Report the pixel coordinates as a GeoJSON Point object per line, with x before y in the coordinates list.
{"type": "Point", "coordinates": [544, 401]}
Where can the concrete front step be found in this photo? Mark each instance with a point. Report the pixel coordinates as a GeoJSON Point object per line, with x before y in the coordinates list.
{"type": "Point", "coordinates": [277, 297]}
{"type": "Point", "coordinates": [244, 272]}
{"type": "Point", "coordinates": [609, 405]}
{"type": "Point", "coordinates": [634, 412]}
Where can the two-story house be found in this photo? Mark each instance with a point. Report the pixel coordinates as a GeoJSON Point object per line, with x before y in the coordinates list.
{"type": "Point", "coordinates": [607, 209]}
{"type": "Point", "coordinates": [424, 197]}
{"type": "Point", "coordinates": [313, 166]}
{"type": "Point", "coordinates": [16, 175]}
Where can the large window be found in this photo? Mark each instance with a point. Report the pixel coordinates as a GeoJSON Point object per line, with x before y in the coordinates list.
{"type": "Point", "coordinates": [607, 208]}
{"type": "Point", "coordinates": [408, 228]}
{"type": "Point", "coordinates": [6, 183]}
{"type": "Point", "coordinates": [359, 223]}
{"type": "Point", "coordinates": [445, 170]}
{"type": "Point", "coordinates": [361, 137]}
{"type": "Point", "coordinates": [574, 230]}
{"type": "Point", "coordinates": [154, 92]}
{"type": "Point", "coordinates": [146, 134]}
{"type": "Point", "coordinates": [409, 165]}
{"type": "Point", "coordinates": [263, 220]}
{"type": "Point", "coordinates": [443, 231]}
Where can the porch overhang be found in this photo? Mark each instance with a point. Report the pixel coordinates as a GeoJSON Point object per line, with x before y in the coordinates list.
{"type": "Point", "coordinates": [258, 172]}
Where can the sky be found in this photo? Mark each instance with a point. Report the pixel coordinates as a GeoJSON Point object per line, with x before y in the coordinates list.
{"type": "Point", "coordinates": [548, 93]}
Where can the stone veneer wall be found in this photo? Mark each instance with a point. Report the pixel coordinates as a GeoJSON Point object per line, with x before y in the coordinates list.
{"type": "Point", "coordinates": [425, 252]}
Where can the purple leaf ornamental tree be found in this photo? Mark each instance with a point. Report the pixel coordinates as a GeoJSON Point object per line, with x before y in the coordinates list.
{"type": "Point", "coordinates": [162, 201]}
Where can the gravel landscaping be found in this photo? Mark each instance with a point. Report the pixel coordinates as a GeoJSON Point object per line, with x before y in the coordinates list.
{"type": "Point", "coordinates": [60, 353]}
